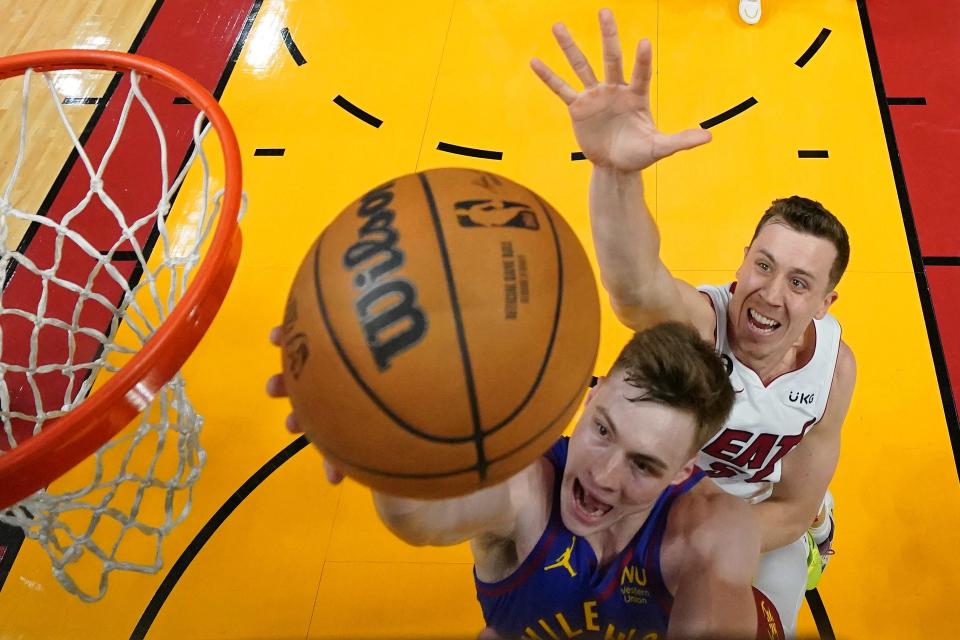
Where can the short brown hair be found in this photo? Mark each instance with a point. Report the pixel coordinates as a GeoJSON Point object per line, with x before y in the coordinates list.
{"type": "Point", "coordinates": [675, 367]}
{"type": "Point", "coordinates": [809, 216]}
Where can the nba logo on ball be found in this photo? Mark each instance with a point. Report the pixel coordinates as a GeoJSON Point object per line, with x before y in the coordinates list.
{"type": "Point", "coordinates": [440, 333]}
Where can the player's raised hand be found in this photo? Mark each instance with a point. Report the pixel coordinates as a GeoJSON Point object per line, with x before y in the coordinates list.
{"type": "Point", "coordinates": [611, 119]}
{"type": "Point", "coordinates": [277, 389]}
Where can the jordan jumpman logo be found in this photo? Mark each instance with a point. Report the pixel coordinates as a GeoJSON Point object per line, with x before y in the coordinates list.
{"type": "Point", "coordinates": [564, 559]}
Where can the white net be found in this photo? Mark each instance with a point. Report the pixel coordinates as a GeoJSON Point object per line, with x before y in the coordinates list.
{"type": "Point", "coordinates": [85, 281]}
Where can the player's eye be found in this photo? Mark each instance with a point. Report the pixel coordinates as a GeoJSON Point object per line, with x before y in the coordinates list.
{"type": "Point", "coordinates": [602, 430]}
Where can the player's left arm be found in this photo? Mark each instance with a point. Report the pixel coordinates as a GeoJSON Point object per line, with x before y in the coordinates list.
{"type": "Point", "coordinates": [808, 469]}
{"type": "Point", "coordinates": [713, 593]}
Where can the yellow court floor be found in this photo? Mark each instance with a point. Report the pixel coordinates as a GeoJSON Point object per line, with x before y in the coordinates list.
{"type": "Point", "coordinates": [301, 559]}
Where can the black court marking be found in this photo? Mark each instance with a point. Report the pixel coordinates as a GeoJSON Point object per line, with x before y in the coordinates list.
{"type": "Point", "coordinates": [276, 152]}
{"type": "Point", "coordinates": [292, 47]}
{"type": "Point", "coordinates": [813, 48]}
{"type": "Point", "coordinates": [819, 612]}
{"type": "Point", "coordinates": [354, 110]}
{"type": "Point", "coordinates": [729, 113]}
{"type": "Point", "coordinates": [470, 151]}
{"type": "Point", "coordinates": [181, 100]}
{"type": "Point", "coordinates": [203, 536]}
{"type": "Point", "coordinates": [813, 153]}
{"type": "Point", "coordinates": [910, 229]}
{"type": "Point", "coordinates": [122, 256]}
{"type": "Point", "coordinates": [87, 100]}
{"type": "Point", "coordinates": [461, 333]}
{"type": "Point", "coordinates": [11, 538]}
{"type": "Point", "coordinates": [577, 155]}
{"type": "Point", "coordinates": [919, 101]}
{"type": "Point", "coordinates": [941, 261]}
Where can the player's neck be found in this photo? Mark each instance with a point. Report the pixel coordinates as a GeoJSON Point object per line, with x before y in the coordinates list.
{"type": "Point", "coordinates": [608, 544]}
{"type": "Point", "coordinates": [769, 366]}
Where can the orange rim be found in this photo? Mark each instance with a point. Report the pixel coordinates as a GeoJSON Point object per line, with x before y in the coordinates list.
{"type": "Point", "coordinates": [66, 441]}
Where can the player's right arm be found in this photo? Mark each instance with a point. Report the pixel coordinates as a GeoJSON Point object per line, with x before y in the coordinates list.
{"type": "Point", "coordinates": [614, 127]}
{"type": "Point", "coordinates": [711, 552]}
{"type": "Point", "coordinates": [642, 290]}
{"type": "Point", "coordinates": [494, 511]}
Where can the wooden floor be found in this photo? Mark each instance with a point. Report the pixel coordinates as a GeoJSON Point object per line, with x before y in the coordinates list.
{"type": "Point", "coordinates": [298, 558]}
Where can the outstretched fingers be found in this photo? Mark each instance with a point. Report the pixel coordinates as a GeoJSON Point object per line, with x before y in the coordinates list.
{"type": "Point", "coordinates": [612, 55]}
{"type": "Point", "coordinates": [276, 387]}
{"type": "Point", "coordinates": [642, 69]}
{"type": "Point", "coordinates": [668, 144]}
{"type": "Point", "coordinates": [552, 80]}
{"type": "Point", "coordinates": [574, 56]}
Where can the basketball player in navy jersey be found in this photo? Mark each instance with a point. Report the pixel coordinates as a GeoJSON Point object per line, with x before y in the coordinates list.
{"type": "Point", "coordinates": [614, 533]}
{"type": "Point", "coordinates": [793, 375]}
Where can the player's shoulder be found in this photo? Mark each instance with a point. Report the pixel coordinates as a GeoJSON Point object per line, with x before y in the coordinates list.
{"type": "Point", "coordinates": [846, 363]}
{"type": "Point", "coordinates": [531, 496]}
{"type": "Point", "coordinates": [707, 518]}
{"type": "Point", "coordinates": [710, 530]}
{"type": "Point", "coordinates": [844, 376]}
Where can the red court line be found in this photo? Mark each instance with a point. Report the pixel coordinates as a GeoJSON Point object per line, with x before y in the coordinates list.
{"type": "Point", "coordinates": [196, 37]}
{"type": "Point", "coordinates": [945, 287]}
{"type": "Point", "coordinates": [918, 48]}
{"type": "Point", "coordinates": [918, 43]}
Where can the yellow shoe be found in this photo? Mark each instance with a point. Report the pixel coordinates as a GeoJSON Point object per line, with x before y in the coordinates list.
{"type": "Point", "coordinates": [815, 563]}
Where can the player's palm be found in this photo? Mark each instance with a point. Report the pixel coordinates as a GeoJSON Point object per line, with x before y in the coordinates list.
{"type": "Point", "coordinates": [614, 128]}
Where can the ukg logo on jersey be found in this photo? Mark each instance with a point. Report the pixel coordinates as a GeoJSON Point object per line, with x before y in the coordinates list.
{"type": "Point", "coordinates": [801, 397]}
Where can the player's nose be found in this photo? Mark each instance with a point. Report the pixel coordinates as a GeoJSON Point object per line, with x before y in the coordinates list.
{"type": "Point", "coordinates": [773, 292]}
{"type": "Point", "coordinates": [605, 472]}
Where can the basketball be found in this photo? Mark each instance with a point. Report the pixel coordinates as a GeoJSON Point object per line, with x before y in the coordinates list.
{"type": "Point", "coordinates": [440, 333]}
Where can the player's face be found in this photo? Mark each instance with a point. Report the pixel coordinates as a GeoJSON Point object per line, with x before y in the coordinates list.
{"type": "Point", "coordinates": [782, 285]}
{"type": "Point", "coordinates": [622, 456]}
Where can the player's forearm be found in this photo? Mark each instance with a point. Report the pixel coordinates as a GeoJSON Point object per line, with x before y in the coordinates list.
{"type": "Point", "coordinates": [780, 523]}
{"type": "Point", "coordinates": [711, 609]}
{"type": "Point", "coordinates": [625, 236]}
{"type": "Point", "coordinates": [448, 521]}
{"type": "Point", "coordinates": [417, 522]}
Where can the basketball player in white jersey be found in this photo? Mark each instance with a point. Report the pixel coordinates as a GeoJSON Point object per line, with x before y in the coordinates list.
{"type": "Point", "coordinates": [793, 375]}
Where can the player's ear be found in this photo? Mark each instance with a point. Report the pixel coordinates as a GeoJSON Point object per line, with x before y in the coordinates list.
{"type": "Point", "coordinates": [827, 302]}
{"type": "Point", "coordinates": [685, 471]}
{"type": "Point", "coordinates": [594, 384]}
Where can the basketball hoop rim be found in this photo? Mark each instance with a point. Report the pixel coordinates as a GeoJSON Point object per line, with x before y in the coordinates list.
{"type": "Point", "coordinates": [66, 441]}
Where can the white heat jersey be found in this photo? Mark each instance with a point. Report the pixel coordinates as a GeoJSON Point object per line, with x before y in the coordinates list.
{"type": "Point", "coordinates": [767, 421]}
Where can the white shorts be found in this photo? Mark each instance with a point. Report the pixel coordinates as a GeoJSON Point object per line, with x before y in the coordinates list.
{"type": "Point", "coordinates": [782, 577]}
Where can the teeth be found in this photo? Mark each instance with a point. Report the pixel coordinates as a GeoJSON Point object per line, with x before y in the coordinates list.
{"type": "Point", "coordinates": [763, 319]}
{"type": "Point", "coordinates": [596, 508]}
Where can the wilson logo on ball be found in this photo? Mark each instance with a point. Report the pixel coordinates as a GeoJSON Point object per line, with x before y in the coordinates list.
{"type": "Point", "coordinates": [387, 309]}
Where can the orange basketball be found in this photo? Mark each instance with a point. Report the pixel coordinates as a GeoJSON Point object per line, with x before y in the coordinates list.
{"type": "Point", "coordinates": [440, 333]}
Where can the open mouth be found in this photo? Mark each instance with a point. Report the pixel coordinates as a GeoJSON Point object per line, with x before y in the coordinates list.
{"type": "Point", "coordinates": [761, 323]}
{"type": "Point", "coordinates": [589, 508]}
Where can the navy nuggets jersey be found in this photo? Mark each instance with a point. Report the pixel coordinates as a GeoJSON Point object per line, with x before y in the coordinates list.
{"type": "Point", "coordinates": [558, 591]}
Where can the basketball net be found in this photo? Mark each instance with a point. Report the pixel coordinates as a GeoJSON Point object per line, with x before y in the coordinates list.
{"type": "Point", "coordinates": [85, 288]}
